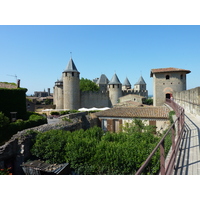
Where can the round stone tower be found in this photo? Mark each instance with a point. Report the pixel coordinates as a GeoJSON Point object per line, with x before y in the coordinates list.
{"type": "Point", "coordinates": [58, 94]}
{"type": "Point", "coordinates": [115, 90]}
{"type": "Point", "coordinates": [166, 81]}
{"type": "Point", "coordinates": [71, 88]}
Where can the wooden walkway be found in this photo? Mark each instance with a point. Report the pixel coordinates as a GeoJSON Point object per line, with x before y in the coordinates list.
{"type": "Point", "coordinates": [188, 159]}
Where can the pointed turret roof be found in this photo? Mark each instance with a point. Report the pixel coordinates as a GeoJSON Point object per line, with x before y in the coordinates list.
{"type": "Point", "coordinates": [141, 81]}
{"type": "Point", "coordinates": [71, 67]}
{"type": "Point", "coordinates": [60, 80]}
{"type": "Point", "coordinates": [114, 80]}
{"type": "Point", "coordinates": [126, 82]}
{"type": "Point", "coordinates": [102, 80]}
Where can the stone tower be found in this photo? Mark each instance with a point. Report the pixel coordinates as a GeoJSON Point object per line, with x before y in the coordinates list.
{"type": "Point", "coordinates": [166, 81]}
{"type": "Point", "coordinates": [140, 88]}
{"type": "Point", "coordinates": [58, 94]}
{"type": "Point", "coordinates": [140, 85]}
{"type": "Point", "coordinates": [115, 89]}
{"type": "Point", "coordinates": [126, 85]}
{"type": "Point", "coordinates": [71, 88]}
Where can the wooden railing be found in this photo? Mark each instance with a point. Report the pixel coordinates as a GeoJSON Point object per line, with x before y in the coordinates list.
{"type": "Point", "coordinates": [176, 129]}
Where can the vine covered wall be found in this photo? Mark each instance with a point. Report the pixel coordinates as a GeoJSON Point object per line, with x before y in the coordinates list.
{"type": "Point", "coordinates": [13, 100]}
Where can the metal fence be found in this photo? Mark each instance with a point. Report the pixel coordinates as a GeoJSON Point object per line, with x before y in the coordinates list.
{"type": "Point", "coordinates": [167, 164]}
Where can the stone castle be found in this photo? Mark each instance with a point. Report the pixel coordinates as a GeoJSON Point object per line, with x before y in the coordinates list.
{"type": "Point", "coordinates": [67, 94]}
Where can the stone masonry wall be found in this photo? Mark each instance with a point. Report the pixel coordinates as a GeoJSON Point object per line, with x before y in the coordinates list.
{"type": "Point", "coordinates": [95, 99]}
{"type": "Point", "coordinates": [189, 100]}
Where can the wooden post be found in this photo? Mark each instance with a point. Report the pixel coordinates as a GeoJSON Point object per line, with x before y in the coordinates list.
{"type": "Point", "coordinates": [162, 158]}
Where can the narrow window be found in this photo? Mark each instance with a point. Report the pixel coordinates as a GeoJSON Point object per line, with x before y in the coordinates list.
{"type": "Point", "coordinates": [181, 76]}
{"type": "Point", "coordinates": [72, 73]}
{"type": "Point", "coordinates": [167, 77]}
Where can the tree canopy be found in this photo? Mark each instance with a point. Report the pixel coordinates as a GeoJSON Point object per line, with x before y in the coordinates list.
{"type": "Point", "coordinates": [94, 152]}
{"type": "Point", "coordinates": [88, 85]}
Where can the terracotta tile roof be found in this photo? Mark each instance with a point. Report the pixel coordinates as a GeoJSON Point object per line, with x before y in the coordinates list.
{"type": "Point", "coordinates": [170, 69]}
{"type": "Point", "coordinates": [140, 112]}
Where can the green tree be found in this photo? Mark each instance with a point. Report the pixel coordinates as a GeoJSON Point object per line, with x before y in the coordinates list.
{"type": "Point", "coordinates": [4, 121]}
{"type": "Point", "coordinates": [88, 85]}
{"type": "Point", "coordinates": [95, 152]}
{"type": "Point", "coordinates": [149, 101]}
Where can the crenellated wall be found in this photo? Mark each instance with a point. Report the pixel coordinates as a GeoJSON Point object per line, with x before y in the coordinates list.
{"type": "Point", "coordinates": [189, 100]}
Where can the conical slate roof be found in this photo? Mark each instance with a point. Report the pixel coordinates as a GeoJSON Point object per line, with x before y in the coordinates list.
{"type": "Point", "coordinates": [141, 81]}
{"type": "Point", "coordinates": [71, 67]}
{"type": "Point", "coordinates": [60, 80]}
{"type": "Point", "coordinates": [114, 80]}
{"type": "Point", "coordinates": [126, 82]}
{"type": "Point", "coordinates": [102, 80]}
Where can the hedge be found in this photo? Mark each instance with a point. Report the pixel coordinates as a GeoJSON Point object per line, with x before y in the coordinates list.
{"type": "Point", "coordinates": [13, 100]}
{"type": "Point", "coordinates": [8, 131]}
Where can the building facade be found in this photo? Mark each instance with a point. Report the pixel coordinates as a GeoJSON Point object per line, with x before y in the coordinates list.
{"type": "Point", "coordinates": [115, 118]}
{"type": "Point", "coordinates": [166, 81]}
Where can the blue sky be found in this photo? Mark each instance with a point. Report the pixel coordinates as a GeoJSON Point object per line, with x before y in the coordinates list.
{"type": "Point", "coordinates": [39, 54]}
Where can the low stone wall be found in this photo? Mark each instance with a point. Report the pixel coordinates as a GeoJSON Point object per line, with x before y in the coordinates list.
{"type": "Point", "coordinates": [189, 100]}
{"type": "Point", "coordinates": [17, 149]}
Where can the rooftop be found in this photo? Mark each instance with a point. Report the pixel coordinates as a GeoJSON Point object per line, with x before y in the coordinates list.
{"type": "Point", "coordinates": [130, 104]}
{"type": "Point", "coordinates": [114, 80]}
{"type": "Point", "coordinates": [141, 81]}
{"type": "Point", "coordinates": [42, 166]}
{"type": "Point", "coordinates": [8, 85]}
{"type": "Point", "coordinates": [126, 82]}
{"type": "Point", "coordinates": [133, 112]}
{"type": "Point", "coordinates": [71, 67]}
{"type": "Point", "coordinates": [102, 80]}
{"type": "Point", "coordinates": [170, 69]}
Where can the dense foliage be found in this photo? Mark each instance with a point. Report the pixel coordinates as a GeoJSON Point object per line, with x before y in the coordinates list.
{"type": "Point", "coordinates": [88, 85]}
{"type": "Point", "coordinates": [8, 129]}
{"type": "Point", "coordinates": [4, 172]}
{"type": "Point", "coordinates": [149, 101]}
{"type": "Point", "coordinates": [4, 121]}
{"type": "Point", "coordinates": [171, 114]}
{"type": "Point", "coordinates": [64, 112]}
{"type": "Point", "coordinates": [95, 152]}
{"type": "Point", "coordinates": [13, 100]}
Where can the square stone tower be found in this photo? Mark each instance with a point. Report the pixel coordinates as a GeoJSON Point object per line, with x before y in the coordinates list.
{"type": "Point", "coordinates": [166, 81]}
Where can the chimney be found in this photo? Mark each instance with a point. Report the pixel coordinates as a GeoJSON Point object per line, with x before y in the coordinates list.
{"type": "Point", "coordinates": [18, 83]}
{"type": "Point", "coordinates": [49, 92]}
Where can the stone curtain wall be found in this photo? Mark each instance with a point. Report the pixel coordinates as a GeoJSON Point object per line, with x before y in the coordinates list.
{"type": "Point", "coordinates": [95, 99]}
{"type": "Point", "coordinates": [189, 100]}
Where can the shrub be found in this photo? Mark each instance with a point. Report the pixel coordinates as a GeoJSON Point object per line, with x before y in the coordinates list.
{"type": "Point", "coordinates": [171, 113]}
{"type": "Point", "coordinates": [95, 152]}
{"type": "Point", "coordinates": [4, 172]}
{"type": "Point", "coordinates": [55, 113]}
{"type": "Point", "coordinates": [4, 121]}
{"type": "Point", "coordinates": [8, 131]}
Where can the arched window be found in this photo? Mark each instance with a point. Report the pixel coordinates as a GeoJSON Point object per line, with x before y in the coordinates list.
{"type": "Point", "coordinates": [167, 77]}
